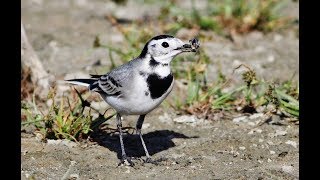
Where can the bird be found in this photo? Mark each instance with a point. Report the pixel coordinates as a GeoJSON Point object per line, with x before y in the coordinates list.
{"type": "Point", "coordinates": [140, 85]}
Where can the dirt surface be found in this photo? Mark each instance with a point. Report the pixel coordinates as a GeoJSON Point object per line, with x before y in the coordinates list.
{"type": "Point", "coordinates": [62, 33]}
{"type": "Point", "coordinates": [221, 149]}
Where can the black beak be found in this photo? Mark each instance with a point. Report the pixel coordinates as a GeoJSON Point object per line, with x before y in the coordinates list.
{"type": "Point", "coordinates": [186, 48]}
{"type": "Point", "coordinates": [192, 47]}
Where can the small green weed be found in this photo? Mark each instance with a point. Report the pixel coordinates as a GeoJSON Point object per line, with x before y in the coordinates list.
{"type": "Point", "coordinates": [64, 120]}
{"type": "Point", "coordinates": [206, 100]}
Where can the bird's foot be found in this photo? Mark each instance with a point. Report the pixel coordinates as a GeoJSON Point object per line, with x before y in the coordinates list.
{"type": "Point", "coordinates": [126, 161]}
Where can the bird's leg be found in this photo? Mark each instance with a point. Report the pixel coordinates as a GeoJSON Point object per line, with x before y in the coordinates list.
{"type": "Point", "coordinates": [138, 128]}
{"type": "Point", "coordinates": [123, 153]}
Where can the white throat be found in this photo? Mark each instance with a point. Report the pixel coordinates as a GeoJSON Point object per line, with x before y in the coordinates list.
{"type": "Point", "coordinates": [167, 57]}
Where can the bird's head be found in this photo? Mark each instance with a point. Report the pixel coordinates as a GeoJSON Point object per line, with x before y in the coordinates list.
{"type": "Point", "coordinates": [164, 48]}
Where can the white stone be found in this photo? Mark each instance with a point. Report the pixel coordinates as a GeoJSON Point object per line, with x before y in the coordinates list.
{"type": "Point", "coordinates": [74, 176]}
{"type": "Point", "coordinates": [185, 119]}
{"type": "Point", "coordinates": [251, 123]}
{"type": "Point", "coordinates": [272, 152]}
{"type": "Point", "coordinates": [236, 63]}
{"type": "Point", "coordinates": [287, 169]}
{"type": "Point", "coordinates": [240, 119]}
{"type": "Point", "coordinates": [53, 142]}
{"type": "Point", "coordinates": [280, 133]}
{"type": "Point", "coordinates": [292, 143]}
{"type": "Point", "coordinates": [255, 130]}
{"type": "Point", "coordinates": [256, 116]}
{"type": "Point", "coordinates": [271, 58]}
{"type": "Point", "coordinates": [145, 125]}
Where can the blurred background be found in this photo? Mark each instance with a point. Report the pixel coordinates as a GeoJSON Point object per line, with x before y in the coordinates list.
{"type": "Point", "coordinates": [263, 33]}
{"type": "Point", "coordinates": [248, 62]}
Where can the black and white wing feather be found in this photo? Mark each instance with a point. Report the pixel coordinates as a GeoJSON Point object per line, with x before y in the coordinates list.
{"type": "Point", "coordinates": [114, 83]}
{"type": "Point", "coordinates": [107, 85]}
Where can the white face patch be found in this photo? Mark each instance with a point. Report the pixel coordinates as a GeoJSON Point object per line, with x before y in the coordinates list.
{"type": "Point", "coordinates": [165, 49]}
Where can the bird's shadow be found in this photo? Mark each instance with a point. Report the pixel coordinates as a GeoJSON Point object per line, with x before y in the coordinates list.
{"type": "Point", "coordinates": [156, 141]}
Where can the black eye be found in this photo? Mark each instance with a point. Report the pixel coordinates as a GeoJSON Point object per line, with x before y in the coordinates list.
{"type": "Point", "coordinates": [165, 44]}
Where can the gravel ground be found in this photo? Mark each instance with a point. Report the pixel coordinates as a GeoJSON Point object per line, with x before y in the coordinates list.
{"type": "Point", "coordinates": [62, 33]}
{"type": "Point", "coordinates": [186, 148]}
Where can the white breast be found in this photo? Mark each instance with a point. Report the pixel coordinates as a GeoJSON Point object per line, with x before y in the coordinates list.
{"type": "Point", "coordinates": [136, 100]}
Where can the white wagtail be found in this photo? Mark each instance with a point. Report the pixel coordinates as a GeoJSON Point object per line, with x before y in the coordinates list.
{"type": "Point", "coordinates": [139, 86]}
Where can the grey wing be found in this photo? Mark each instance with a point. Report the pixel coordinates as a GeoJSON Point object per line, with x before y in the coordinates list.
{"type": "Point", "coordinates": [116, 82]}
{"type": "Point", "coordinates": [109, 85]}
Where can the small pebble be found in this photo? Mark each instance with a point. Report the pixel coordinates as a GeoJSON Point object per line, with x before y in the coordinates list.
{"type": "Point", "coordinates": [271, 58]}
{"type": "Point", "coordinates": [127, 171]}
{"type": "Point", "coordinates": [145, 125]}
{"type": "Point", "coordinates": [292, 143]}
{"type": "Point", "coordinates": [270, 143]}
{"type": "Point", "coordinates": [251, 123]}
{"type": "Point", "coordinates": [240, 119]}
{"type": "Point", "coordinates": [287, 169]}
{"type": "Point", "coordinates": [185, 119]}
{"type": "Point", "coordinates": [280, 133]}
{"type": "Point", "coordinates": [256, 116]}
{"type": "Point", "coordinates": [255, 130]}
{"type": "Point", "coordinates": [272, 152]}
{"type": "Point", "coordinates": [74, 176]}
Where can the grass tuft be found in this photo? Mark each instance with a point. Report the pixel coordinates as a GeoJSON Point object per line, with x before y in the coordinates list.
{"type": "Point", "coordinates": [64, 120]}
{"type": "Point", "coordinates": [205, 100]}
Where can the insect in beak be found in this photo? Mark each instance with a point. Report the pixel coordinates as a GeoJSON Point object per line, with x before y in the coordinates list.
{"type": "Point", "coordinates": [193, 45]}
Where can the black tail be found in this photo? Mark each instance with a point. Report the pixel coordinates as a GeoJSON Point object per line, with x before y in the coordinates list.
{"type": "Point", "coordinates": [91, 83]}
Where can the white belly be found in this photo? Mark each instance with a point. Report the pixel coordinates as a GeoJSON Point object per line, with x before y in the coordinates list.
{"type": "Point", "coordinates": [136, 102]}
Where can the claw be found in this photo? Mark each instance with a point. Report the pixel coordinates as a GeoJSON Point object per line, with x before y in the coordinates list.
{"type": "Point", "coordinates": [126, 161]}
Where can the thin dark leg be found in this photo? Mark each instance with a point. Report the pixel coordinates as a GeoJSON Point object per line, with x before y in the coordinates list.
{"type": "Point", "coordinates": [138, 127]}
{"type": "Point", "coordinates": [123, 153]}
